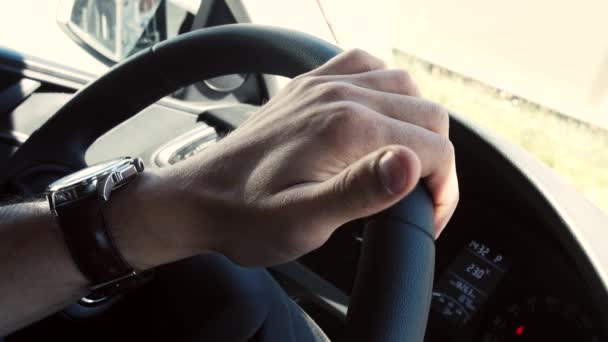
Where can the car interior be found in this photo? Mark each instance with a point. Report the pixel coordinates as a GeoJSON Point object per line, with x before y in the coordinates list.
{"type": "Point", "coordinates": [517, 262]}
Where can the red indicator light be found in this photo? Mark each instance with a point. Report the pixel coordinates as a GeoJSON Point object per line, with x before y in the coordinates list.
{"type": "Point", "coordinates": [520, 330]}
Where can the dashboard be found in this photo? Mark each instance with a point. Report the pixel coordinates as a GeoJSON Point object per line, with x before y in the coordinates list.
{"type": "Point", "coordinates": [502, 273]}
{"type": "Point", "coordinates": [504, 280]}
{"type": "Point", "coordinates": [498, 278]}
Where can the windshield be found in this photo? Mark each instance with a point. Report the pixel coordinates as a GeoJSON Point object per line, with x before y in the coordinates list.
{"type": "Point", "coordinates": [535, 73]}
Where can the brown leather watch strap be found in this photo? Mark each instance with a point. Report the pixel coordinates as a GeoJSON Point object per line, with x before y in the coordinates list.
{"type": "Point", "coordinates": [90, 242]}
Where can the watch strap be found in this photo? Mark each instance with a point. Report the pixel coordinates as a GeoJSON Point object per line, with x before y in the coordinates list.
{"type": "Point", "coordinates": [90, 242]}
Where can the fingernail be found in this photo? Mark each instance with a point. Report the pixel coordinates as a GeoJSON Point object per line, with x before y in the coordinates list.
{"type": "Point", "coordinates": [392, 172]}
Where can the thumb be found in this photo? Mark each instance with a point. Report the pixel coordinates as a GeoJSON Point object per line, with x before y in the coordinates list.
{"type": "Point", "coordinates": [370, 185]}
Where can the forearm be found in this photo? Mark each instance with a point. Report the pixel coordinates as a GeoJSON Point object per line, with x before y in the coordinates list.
{"type": "Point", "coordinates": [38, 274]}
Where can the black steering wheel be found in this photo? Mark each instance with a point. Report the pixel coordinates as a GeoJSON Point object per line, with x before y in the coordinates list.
{"type": "Point", "coordinates": [392, 292]}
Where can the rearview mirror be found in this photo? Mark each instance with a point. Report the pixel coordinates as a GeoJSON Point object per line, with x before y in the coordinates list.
{"type": "Point", "coordinates": [113, 28]}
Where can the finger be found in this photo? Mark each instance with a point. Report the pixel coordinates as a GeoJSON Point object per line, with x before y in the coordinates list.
{"type": "Point", "coordinates": [410, 109]}
{"type": "Point", "coordinates": [368, 186]}
{"type": "Point", "coordinates": [350, 62]}
{"type": "Point", "coordinates": [438, 165]}
{"type": "Point", "coordinates": [413, 110]}
{"type": "Point", "coordinates": [446, 195]}
{"type": "Point", "coordinates": [396, 81]}
{"type": "Point", "coordinates": [350, 123]}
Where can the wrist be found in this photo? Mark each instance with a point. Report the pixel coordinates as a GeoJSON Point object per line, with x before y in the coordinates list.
{"type": "Point", "coordinates": [147, 223]}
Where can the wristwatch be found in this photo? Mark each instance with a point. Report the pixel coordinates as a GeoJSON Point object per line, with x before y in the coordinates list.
{"type": "Point", "coordinates": [77, 203]}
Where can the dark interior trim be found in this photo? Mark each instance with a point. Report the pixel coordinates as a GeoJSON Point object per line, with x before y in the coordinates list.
{"type": "Point", "coordinates": [550, 198]}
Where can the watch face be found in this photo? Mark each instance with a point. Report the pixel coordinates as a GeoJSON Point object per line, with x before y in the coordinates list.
{"type": "Point", "coordinates": [90, 172]}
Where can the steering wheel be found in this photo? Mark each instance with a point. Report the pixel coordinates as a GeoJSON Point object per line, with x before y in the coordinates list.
{"type": "Point", "coordinates": [392, 292]}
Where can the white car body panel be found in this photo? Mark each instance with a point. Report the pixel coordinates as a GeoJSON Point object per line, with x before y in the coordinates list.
{"type": "Point", "coordinates": [552, 52]}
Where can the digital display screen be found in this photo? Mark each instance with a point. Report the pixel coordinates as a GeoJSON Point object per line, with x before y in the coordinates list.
{"type": "Point", "coordinates": [468, 281]}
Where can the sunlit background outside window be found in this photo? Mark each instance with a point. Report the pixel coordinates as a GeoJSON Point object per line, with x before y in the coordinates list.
{"type": "Point", "coordinates": [533, 72]}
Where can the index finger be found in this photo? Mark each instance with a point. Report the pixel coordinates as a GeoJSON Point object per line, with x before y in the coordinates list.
{"type": "Point", "coordinates": [354, 61]}
{"type": "Point", "coordinates": [437, 157]}
{"type": "Point", "coordinates": [436, 154]}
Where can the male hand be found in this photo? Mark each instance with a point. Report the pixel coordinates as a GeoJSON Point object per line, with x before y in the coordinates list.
{"type": "Point", "coordinates": [344, 141]}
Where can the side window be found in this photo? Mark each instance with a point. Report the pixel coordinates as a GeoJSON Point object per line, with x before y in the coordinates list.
{"type": "Point", "coordinates": [112, 30]}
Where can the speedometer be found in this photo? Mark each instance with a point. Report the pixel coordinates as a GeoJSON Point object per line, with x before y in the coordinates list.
{"type": "Point", "coordinates": [468, 282]}
{"type": "Point", "coordinates": [541, 319]}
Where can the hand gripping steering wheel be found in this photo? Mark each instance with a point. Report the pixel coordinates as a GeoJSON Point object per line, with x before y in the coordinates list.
{"type": "Point", "coordinates": [392, 292]}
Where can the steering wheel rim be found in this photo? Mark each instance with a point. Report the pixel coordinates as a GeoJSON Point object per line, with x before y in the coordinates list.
{"type": "Point", "coordinates": [59, 146]}
{"type": "Point", "coordinates": [392, 292]}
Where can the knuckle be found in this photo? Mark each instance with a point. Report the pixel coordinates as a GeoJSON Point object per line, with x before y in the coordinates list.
{"type": "Point", "coordinates": [339, 120]}
{"type": "Point", "coordinates": [447, 151]}
{"type": "Point", "coordinates": [347, 112]}
{"type": "Point", "coordinates": [358, 54]}
{"type": "Point", "coordinates": [342, 115]}
{"type": "Point", "coordinates": [439, 119]}
{"type": "Point", "coordinates": [306, 81]}
{"type": "Point", "coordinates": [335, 91]}
{"type": "Point", "coordinates": [364, 59]}
{"type": "Point", "coordinates": [405, 81]}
